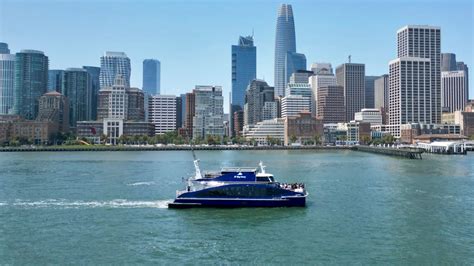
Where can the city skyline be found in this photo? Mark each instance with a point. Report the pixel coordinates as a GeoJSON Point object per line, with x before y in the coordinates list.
{"type": "Point", "coordinates": [321, 40]}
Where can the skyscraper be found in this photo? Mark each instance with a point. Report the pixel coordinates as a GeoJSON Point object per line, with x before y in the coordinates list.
{"type": "Point", "coordinates": [285, 41]}
{"type": "Point", "coordinates": [448, 62]}
{"type": "Point", "coordinates": [351, 77]}
{"type": "Point", "coordinates": [244, 70]}
{"type": "Point", "coordinates": [7, 82]}
{"type": "Point", "coordinates": [4, 48]}
{"type": "Point", "coordinates": [76, 87]}
{"type": "Point", "coordinates": [151, 76]}
{"type": "Point", "coordinates": [258, 97]}
{"type": "Point", "coordinates": [410, 91]}
{"type": "Point", "coordinates": [461, 66]}
{"type": "Point", "coordinates": [294, 62]}
{"type": "Point", "coordinates": [330, 104]}
{"type": "Point", "coordinates": [369, 91]}
{"type": "Point", "coordinates": [381, 93]}
{"type": "Point", "coordinates": [162, 113]}
{"type": "Point", "coordinates": [323, 76]}
{"type": "Point", "coordinates": [31, 81]}
{"type": "Point", "coordinates": [55, 79]}
{"type": "Point", "coordinates": [94, 74]}
{"type": "Point", "coordinates": [111, 65]}
{"type": "Point", "coordinates": [209, 112]}
{"type": "Point", "coordinates": [424, 42]}
{"type": "Point", "coordinates": [454, 93]}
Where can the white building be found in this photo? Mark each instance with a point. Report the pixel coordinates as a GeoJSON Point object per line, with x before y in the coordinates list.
{"type": "Point", "coordinates": [274, 128]}
{"type": "Point", "coordinates": [454, 90]}
{"type": "Point", "coordinates": [303, 89]}
{"type": "Point", "coordinates": [372, 116]}
{"type": "Point", "coordinates": [162, 113]}
{"type": "Point", "coordinates": [209, 112]}
{"type": "Point", "coordinates": [410, 91]}
{"type": "Point", "coordinates": [323, 76]}
{"type": "Point", "coordinates": [421, 41]}
{"type": "Point", "coordinates": [292, 105]}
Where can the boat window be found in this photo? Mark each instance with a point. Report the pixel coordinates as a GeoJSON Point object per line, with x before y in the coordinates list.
{"type": "Point", "coordinates": [262, 179]}
{"type": "Point", "coordinates": [244, 191]}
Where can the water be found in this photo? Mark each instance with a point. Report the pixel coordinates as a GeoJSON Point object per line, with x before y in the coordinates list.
{"type": "Point", "coordinates": [110, 207]}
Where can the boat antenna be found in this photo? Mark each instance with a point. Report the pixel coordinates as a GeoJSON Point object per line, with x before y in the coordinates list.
{"type": "Point", "coordinates": [262, 167]}
{"type": "Point", "coordinates": [196, 163]}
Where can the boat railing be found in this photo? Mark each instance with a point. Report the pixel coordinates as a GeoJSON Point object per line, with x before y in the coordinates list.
{"type": "Point", "coordinates": [296, 187]}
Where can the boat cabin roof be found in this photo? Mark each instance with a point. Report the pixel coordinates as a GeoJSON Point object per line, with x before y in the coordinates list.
{"type": "Point", "coordinates": [239, 170]}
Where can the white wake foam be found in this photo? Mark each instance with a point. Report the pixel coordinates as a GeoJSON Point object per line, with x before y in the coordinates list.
{"type": "Point", "coordinates": [141, 183]}
{"type": "Point", "coordinates": [116, 203]}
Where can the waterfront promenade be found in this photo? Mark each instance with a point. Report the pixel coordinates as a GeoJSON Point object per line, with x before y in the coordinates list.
{"type": "Point", "coordinates": [406, 153]}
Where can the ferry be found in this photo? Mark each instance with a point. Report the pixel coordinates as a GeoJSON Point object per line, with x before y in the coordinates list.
{"type": "Point", "coordinates": [238, 187]}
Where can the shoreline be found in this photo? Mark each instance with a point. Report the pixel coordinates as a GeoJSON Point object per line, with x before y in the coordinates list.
{"type": "Point", "coordinates": [167, 148]}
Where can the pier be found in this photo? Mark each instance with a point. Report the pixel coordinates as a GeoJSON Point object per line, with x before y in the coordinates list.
{"type": "Point", "coordinates": [409, 153]}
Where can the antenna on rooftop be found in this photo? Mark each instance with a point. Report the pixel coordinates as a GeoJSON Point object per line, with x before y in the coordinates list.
{"type": "Point", "coordinates": [349, 58]}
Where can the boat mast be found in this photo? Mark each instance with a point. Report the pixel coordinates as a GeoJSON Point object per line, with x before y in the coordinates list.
{"type": "Point", "coordinates": [196, 164]}
{"type": "Point", "coordinates": [262, 167]}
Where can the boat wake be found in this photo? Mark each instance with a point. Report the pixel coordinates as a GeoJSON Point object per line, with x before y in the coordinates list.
{"type": "Point", "coordinates": [141, 183]}
{"type": "Point", "coordinates": [65, 204]}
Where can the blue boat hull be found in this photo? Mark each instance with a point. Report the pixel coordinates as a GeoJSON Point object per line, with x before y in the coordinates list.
{"type": "Point", "coordinates": [238, 203]}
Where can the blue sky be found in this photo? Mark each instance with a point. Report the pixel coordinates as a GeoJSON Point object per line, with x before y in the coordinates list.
{"type": "Point", "coordinates": [193, 39]}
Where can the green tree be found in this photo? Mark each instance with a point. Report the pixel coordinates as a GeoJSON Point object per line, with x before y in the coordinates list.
{"type": "Point", "coordinates": [293, 138]}
{"type": "Point", "coordinates": [317, 139]}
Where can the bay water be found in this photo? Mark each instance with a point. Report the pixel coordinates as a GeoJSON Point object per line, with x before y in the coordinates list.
{"type": "Point", "coordinates": [111, 208]}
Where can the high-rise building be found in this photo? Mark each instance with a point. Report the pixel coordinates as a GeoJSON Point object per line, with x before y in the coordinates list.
{"type": "Point", "coordinates": [461, 66]}
{"type": "Point", "coordinates": [54, 107]}
{"type": "Point", "coordinates": [302, 89]}
{"type": "Point", "coordinates": [424, 42]}
{"type": "Point", "coordinates": [322, 69]}
{"type": "Point", "coordinates": [244, 70]}
{"type": "Point", "coordinates": [454, 93]}
{"type": "Point", "coordinates": [381, 93]}
{"type": "Point", "coordinates": [410, 91]}
{"type": "Point", "coordinates": [292, 105]}
{"type": "Point", "coordinates": [301, 76]}
{"type": "Point", "coordinates": [31, 81]}
{"type": "Point", "coordinates": [94, 74]}
{"type": "Point", "coordinates": [113, 100]}
{"type": "Point", "coordinates": [369, 91]}
{"type": "Point", "coordinates": [257, 95]}
{"type": "Point", "coordinates": [120, 112]}
{"type": "Point", "coordinates": [179, 113]}
{"type": "Point", "coordinates": [162, 113]}
{"type": "Point", "coordinates": [111, 65]}
{"type": "Point", "coordinates": [351, 77]}
{"type": "Point", "coordinates": [448, 62]}
{"type": "Point", "coordinates": [7, 82]}
{"type": "Point", "coordinates": [136, 104]}
{"type": "Point", "coordinates": [189, 113]}
{"type": "Point", "coordinates": [151, 76]}
{"type": "Point", "coordinates": [4, 48]}
{"type": "Point", "coordinates": [76, 87]}
{"type": "Point", "coordinates": [285, 41]}
{"type": "Point", "coordinates": [209, 112]}
{"type": "Point", "coordinates": [330, 104]}
{"type": "Point", "coordinates": [55, 79]}
{"type": "Point", "coordinates": [238, 122]}
{"type": "Point", "coordinates": [294, 62]}
{"type": "Point", "coordinates": [183, 110]}
{"type": "Point", "coordinates": [323, 76]}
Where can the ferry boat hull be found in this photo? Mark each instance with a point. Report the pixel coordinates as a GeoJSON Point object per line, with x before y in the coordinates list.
{"type": "Point", "coordinates": [292, 201]}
